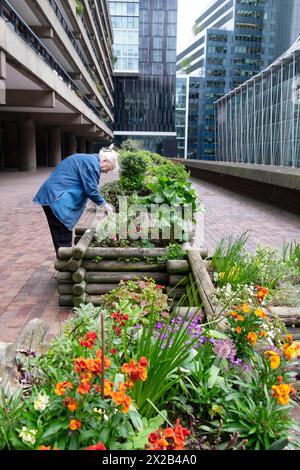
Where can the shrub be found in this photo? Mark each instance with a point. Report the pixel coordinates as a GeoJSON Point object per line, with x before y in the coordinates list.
{"type": "Point", "coordinates": [133, 169]}
{"type": "Point", "coordinates": [132, 145]}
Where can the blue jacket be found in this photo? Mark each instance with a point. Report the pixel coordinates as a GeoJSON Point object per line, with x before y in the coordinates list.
{"type": "Point", "coordinates": [67, 189]}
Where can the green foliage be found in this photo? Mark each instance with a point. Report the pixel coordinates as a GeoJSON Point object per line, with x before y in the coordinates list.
{"type": "Point", "coordinates": [168, 169]}
{"type": "Point", "coordinates": [140, 292]}
{"type": "Point", "coordinates": [79, 7]}
{"type": "Point", "coordinates": [291, 255]}
{"type": "Point", "coordinates": [133, 169]}
{"type": "Point", "coordinates": [174, 252]}
{"type": "Point", "coordinates": [131, 145]}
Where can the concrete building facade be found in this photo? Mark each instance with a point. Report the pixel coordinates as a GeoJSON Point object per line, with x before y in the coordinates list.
{"type": "Point", "coordinates": [56, 80]}
{"type": "Point", "coordinates": [145, 34]}
{"type": "Point", "coordinates": [234, 40]}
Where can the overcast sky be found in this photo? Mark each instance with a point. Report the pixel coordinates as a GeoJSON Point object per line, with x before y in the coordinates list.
{"type": "Point", "coordinates": [188, 12]}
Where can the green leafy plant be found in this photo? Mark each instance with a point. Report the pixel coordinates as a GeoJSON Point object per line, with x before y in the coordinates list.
{"type": "Point", "coordinates": [79, 7]}
{"type": "Point", "coordinates": [133, 169]}
{"type": "Point", "coordinates": [131, 145]}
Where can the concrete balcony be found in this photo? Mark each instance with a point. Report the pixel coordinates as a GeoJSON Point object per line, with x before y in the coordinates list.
{"type": "Point", "coordinates": [60, 32]}
{"type": "Point", "coordinates": [39, 102]}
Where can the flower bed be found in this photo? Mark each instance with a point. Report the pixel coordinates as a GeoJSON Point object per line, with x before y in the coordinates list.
{"type": "Point", "coordinates": [131, 375]}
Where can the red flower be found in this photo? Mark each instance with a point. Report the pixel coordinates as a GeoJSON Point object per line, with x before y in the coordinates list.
{"type": "Point", "coordinates": [158, 286]}
{"type": "Point", "coordinates": [113, 351]}
{"type": "Point", "coordinates": [89, 340]}
{"type": "Point", "coordinates": [98, 446]}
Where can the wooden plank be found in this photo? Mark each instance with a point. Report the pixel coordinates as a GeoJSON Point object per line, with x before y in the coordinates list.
{"type": "Point", "coordinates": [205, 287]}
{"type": "Point", "coordinates": [77, 301]}
{"type": "Point", "coordinates": [60, 265]}
{"type": "Point", "coordinates": [122, 266]}
{"type": "Point", "coordinates": [78, 276]}
{"type": "Point", "coordinates": [74, 264]}
{"type": "Point", "coordinates": [100, 289]}
{"type": "Point", "coordinates": [177, 280]}
{"type": "Point", "coordinates": [65, 253]}
{"type": "Point", "coordinates": [64, 277]}
{"type": "Point", "coordinates": [65, 288]}
{"type": "Point", "coordinates": [79, 289]}
{"type": "Point", "coordinates": [66, 300]}
{"type": "Point", "coordinates": [178, 266]}
{"type": "Point", "coordinates": [116, 277]}
{"type": "Point", "coordinates": [116, 253]}
{"type": "Point", "coordinates": [85, 241]}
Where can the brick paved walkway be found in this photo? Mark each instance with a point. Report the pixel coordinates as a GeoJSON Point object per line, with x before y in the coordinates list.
{"type": "Point", "coordinates": [231, 213]}
{"type": "Point", "coordinates": [27, 285]}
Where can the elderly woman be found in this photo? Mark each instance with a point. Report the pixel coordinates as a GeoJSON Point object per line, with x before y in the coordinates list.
{"type": "Point", "coordinates": [64, 194]}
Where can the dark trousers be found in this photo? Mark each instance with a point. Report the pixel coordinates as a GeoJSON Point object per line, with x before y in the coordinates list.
{"type": "Point", "coordinates": [61, 235]}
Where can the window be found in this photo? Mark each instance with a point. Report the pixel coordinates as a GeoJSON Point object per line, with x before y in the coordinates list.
{"type": "Point", "coordinates": [157, 43]}
{"type": "Point", "coordinates": [157, 56]}
{"type": "Point", "coordinates": [171, 56]}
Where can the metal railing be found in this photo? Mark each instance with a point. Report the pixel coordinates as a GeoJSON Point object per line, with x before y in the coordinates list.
{"type": "Point", "coordinates": [8, 13]}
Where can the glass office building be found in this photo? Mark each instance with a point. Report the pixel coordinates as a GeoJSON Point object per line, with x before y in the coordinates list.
{"type": "Point", "coordinates": [188, 92]}
{"type": "Point", "coordinates": [259, 122]}
{"type": "Point", "coordinates": [234, 40]}
{"type": "Point", "coordinates": [145, 34]}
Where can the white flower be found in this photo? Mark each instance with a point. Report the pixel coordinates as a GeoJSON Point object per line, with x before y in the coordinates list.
{"type": "Point", "coordinates": [41, 403]}
{"type": "Point", "coordinates": [28, 435]}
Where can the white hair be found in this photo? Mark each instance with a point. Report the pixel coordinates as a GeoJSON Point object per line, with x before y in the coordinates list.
{"type": "Point", "coordinates": [111, 156]}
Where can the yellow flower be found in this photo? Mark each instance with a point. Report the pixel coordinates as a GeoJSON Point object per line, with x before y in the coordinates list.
{"type": "Point", "coordinates": [260, 313]}
{"type": "Point", "coordinates": [282, 393]}
{"type": "Point", "coordinates": [274, 359]}
{"type": "Point", "coordinates": [221, 276]}
{"type": "Point", "coordinates": [252, 338]}
{"type": "Point", "coordinates": [246, 308]}
{"type": "Point", "coordinates": [289, 351]}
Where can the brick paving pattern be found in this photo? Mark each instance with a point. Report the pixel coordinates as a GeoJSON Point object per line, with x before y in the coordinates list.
{"type": "Point", "coordinates": [27, 283]}
{"type": "Point", "coordinates": [230, 213]}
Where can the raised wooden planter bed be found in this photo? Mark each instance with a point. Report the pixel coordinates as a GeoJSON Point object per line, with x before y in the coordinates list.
{"type": "Point", "coordinates": [81, 279]}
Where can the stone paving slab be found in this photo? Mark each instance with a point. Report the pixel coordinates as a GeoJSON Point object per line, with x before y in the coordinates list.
{"type": "Point", "coordinates": [27, 283]}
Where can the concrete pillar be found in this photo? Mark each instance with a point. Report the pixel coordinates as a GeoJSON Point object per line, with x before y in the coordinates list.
{"type": "Point", "coordinates": [81, 145]}
{"type": "Point", "coordinates": [89, 146]}
{"type": "Point", "coordinates": [27, 144]}
{"type": "Point", "coordinates": [71, 144]}
{"type": "Point", "coordinates": [54, 146]}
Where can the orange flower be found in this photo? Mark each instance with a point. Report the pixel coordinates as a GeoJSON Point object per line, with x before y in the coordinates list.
{"type": "Point", "coordinates": [121, 399]}
{"type": "Point", "coordinates": [282, 393]}
{"type": "Point", "coordinates": [180, 433]}
{"type": "Point", "coordinates": [108, 388]}
{"type": "Point", "coordinates": [262, 292]}
{"type": "Point", "coordinates": [289, 351]}
{"type": "Point", "coordinates": [45, 448]}
{"type": "Point", "coordinates": [98, 446]}
{"type": "Point", "coordinates": [169, 432]}
{"type": "Point", "coordinates": [274, 359]}
{"type": "Point", "coordinates": [84, 388]}
{"type": "Point", "coordinates": [61, 387]}
{"type": "Point", "coordinates": [246, 308]}
{"type": "Point", "coordinates": [239, 318]}
{"type": "Point", "coordinates": [289, 338]}
{"type": "Point", "coordinates": [252, 338]}
{"type": "Point", "coordinates": [233, 314]}
{"type": "Point", "coordinates": [260, 313]}
{"type": "Point", "coordinates": [263, 333]}
{"type": "Point", "coordinates": [280, 378]}
{"type": "Point", "coordinates": [75, 424]}
{"type": "Point", "coordinates": [71, 404]}
{"type": "Point", "coordinates": [238, 330]}
{"type": "Point", "coordinates": [136, 371]}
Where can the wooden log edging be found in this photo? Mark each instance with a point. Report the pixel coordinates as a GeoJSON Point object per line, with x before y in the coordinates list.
{"type": "Point", "coordinates": [80, 249]}
{"type": "Point", "coordinates": [205, 287]}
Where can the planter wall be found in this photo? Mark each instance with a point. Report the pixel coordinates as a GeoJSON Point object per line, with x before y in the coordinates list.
{"type": "Point", "coordinates": [81, 279]}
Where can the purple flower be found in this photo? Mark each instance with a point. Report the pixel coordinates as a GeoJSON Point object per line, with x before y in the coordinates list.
{"type": "Point", "coordinates": [224, 348]}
